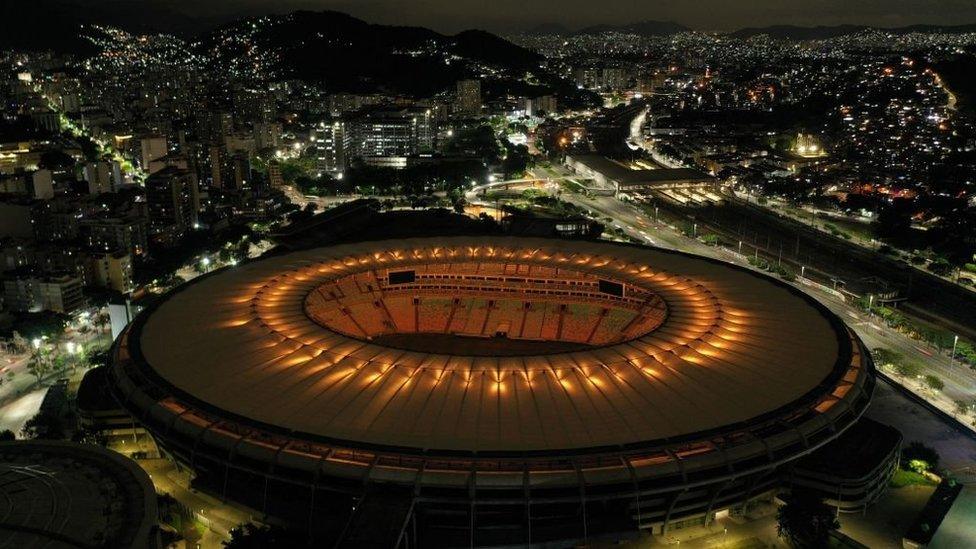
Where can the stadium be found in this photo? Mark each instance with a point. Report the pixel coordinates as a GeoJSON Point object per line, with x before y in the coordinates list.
{"type": "Point", "coordinates": [484, 391]}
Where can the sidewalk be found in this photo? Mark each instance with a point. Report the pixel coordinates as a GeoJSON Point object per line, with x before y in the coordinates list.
{"type": "Point", "coordinates": [220, 518]}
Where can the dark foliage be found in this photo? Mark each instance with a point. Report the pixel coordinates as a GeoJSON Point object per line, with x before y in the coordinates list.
{"type": "Point", "coordinates": [252, 536]}
{"type": "Point", "coordinates": [31, 325]}
{"type": "Point", "coordinates": [918, 451]}
{"type": "Point", "coordinates": [806, 521]}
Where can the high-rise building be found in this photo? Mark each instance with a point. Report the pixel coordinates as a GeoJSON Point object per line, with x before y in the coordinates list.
{"type": "Point", "coordinates": [267, 135]}
{"type": "Point", "coordinates": [99, 178]}
{"type": "Point", "coordinates": [43, 184]}
{"type": "Point", "coordinates": [152, 149]}
{"type": "Point", "coordinates": [275, 178]}
{"type": "Point", "coordinates": [328, 139]}
{"type": "Point", "coordinates": [16, 218]}
{"type": "Point", "coordinates": [173, 199]}
{"type": "Point", "coordinates": [57, 220]}
{"type": "Point", "coordinates": [615, 78]}
{"type": "Point", "coordinates": [62, 294]}
{"type": "Point", "coordinates": [386, 134]}
{"type": "Point", "coordinates": [586, 77]}
{"type": "Point", "coordinates": [115, 233]}
{"type": "Point", "coordinates": [117, 178]}
{"type": "Point", "coordinates": [218, 171]}
{"type": "Point", "coordinates": [113, 271]}
{"type": "Point", "coordinates": [29, 293]}
{"type": "Point", "coordinates": [240, 143]}
{"type": "Point", "coordinates": [468, 97]}
{"type": "Point", "coordinates": [240, 172]}
{"type": "Point", "coordinates": [545, 104]}
{"type": "Point", "coordinates": [342, 103]}
{"type": "Point", "coordinates": [612, 78]}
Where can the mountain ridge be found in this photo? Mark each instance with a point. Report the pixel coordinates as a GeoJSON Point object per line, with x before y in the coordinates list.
{"type": "Point", "coordinates": [350, 54]}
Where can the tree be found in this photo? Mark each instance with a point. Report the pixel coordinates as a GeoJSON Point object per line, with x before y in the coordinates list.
{"type": "Point", "coordinates": [886, 357]}
{"type": "Point", "coordinates": [941, 267]}
{"type": "Point", "coordinates": [934, 382]}
{"type": "Point", "coordinates": [252, 536]}
{"type": "Point", "coordinates": [893, 222]}
{"type": "Point", "coordinates": [91, 436]}
{"type": "Point", "coordinates": [805, 520]}
{"type": "Point", "coordinates": [919, 457]}
{"type": "Point", "coordinates": [242, 251]}
{"type": "Point", "coordinates": [19, 343]}
{"type": "Point", "coordinates": [34, 325]}
{"type": "Point", "coordinates": [908, 369]}
{"type": "Point", "coordinates": [7, 435]}
{"type": "Point", "coordinates": [41, 363]}
{"type": "Point", "coordinates": [44, 425]}
{"type": "Point", "coordinates": [56, 160]}
{"type": "Point", "coordinates": [963, 406]}
{"type": "Point", "coordinates": [224, 255]}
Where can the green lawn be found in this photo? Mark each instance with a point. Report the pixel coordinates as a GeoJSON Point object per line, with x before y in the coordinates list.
{"type": "Point", "coordinates": [903, 478]}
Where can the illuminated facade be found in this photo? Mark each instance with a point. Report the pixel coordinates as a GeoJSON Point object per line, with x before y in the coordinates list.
{"type": "Point", "coordinates": [808, 146]}
{"type": "Point", "coordinates": [486, 390]}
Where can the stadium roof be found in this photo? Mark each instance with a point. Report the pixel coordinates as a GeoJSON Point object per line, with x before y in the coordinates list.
{"type": "Point", "coordinates": [735, 346]}
{"type": "Point", "coordinates": [623, 175]}
{"type": "Point", "coordinates": [62, 494]}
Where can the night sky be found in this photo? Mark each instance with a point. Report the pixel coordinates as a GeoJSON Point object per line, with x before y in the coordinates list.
{"type": "Point", "coordinates": [512, 15]}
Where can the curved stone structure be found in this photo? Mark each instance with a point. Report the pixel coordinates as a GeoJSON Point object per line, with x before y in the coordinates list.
{"type": "Point", "coordinates": [509, 389]}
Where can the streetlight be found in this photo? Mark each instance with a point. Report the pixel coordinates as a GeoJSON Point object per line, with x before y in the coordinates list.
{"type": "Point", "coordinates": [952, 357]}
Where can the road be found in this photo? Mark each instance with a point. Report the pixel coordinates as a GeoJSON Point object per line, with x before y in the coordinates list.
{"type": "Point", "coordinates": [323, 202]}
{"type": "Point", "coordinates": [14, 390]}
{"type": "Point", "coordinates": [821, 219]}
{"type": "Point", "coordinates": [218, 516]}
{"type": "Point", "coordinates": [959, 381]}
{"type": "Point", "coordinates": [637, 138]}
{"type": "Point", "coordinates": [826, 257]}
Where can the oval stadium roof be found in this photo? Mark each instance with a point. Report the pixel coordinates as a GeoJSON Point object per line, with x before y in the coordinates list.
{"type": "Point", "coordinates": [733, 346]}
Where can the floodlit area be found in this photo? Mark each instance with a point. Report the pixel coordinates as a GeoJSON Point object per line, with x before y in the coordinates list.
{"type": "Point", "coordinates": [15, 412]}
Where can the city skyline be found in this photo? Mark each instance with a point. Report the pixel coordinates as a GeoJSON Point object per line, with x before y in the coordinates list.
{"type": "Point", "coordinates": [512, 15]}
{"type": "Point", "coordinates": [404, 275]}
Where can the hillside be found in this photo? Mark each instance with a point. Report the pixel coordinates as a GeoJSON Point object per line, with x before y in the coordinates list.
{"type": "Point", "coordinates": [56, 24]}
{"type": "Point", "coordinates": [335, 50]}
{"type": "Point", "coordinates": [349, 54]}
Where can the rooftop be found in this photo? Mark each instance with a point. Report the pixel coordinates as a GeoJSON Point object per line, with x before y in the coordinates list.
{"type": "Point", "coordinates": [61, 494]}
{"type": "Point", "coordinates": [856, 453]}
{"type": "Point", "coordinates": [623, 175]}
